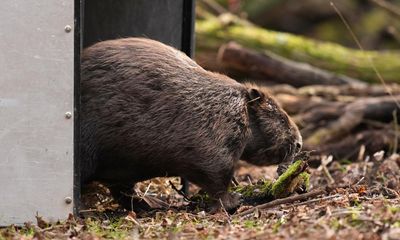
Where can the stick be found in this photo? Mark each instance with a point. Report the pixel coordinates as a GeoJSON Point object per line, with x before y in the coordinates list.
{"type": "Point", "coordinates": [317, 200]}
{"type": "Point", "coordinates": [179, 192]}
{"type": "Point", "coordinates": [226, 213]}
{"type": "Point", "coordinates": [282, 201]}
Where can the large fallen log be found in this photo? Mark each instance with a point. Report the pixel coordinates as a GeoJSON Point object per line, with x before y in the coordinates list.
{"type": "Point", "coordinates": [269, 66]}
{"type": "Point", "coordinates": [212, 32]}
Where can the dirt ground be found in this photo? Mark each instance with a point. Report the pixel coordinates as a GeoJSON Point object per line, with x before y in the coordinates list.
{"type": "Point", "coordinates": [362, 203]}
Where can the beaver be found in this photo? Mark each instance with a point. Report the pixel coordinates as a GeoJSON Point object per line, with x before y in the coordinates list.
{"type": "Point", "coordinates": [148, 110]}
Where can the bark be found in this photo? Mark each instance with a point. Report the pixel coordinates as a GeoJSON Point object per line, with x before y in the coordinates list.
{"type": "Point", "coordinates": [269, 66]}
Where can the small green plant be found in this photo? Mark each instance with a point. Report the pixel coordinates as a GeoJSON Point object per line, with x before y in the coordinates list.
{"type": "Point", "coordinates": [27, 231]}
{"type": "Point", "coordinates": [250, 224]}
{"type": "Point", "coordinates": [396, 224]}
{"type": "Point", "coordinates": [278, 224]}
{"type": "Point", "coordinates": [393, 209]}
{"type": "Point", "coordinates": [335, 224]}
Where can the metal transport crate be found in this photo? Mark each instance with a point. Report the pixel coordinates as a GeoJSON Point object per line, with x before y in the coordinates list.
{"type": "Point", "coordinates": [40, 45]}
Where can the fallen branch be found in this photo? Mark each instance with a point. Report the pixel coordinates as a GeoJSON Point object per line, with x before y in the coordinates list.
{"type": "Point", "coordinates": [293, 179]}
{"type": "Point", "coordinates": [272, 67]}
{"type": "Point", "coordinates": [277, 202]}
{"type": "Point", "coordinates": [348, 147]}
{"type": "Point", "coordinates": [379, 108]}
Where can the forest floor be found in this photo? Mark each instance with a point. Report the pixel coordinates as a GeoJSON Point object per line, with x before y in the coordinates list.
{"type": "Point", "coordinates": [362, 191]}
{"type": "Point", "coordinates": [369, 208]}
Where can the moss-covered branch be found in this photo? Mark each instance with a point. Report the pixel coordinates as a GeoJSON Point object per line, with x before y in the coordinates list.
{"type": "Point", "coordinates": [212, 32]}
{"type": "Point", "coordinates": [292, 180]}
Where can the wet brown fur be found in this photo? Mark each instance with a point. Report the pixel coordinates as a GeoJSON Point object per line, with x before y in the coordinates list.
{"type": "Point", "coordinates": [148, 110]}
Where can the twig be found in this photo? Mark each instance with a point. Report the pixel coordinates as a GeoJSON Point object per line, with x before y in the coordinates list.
{"type": "Point", "coordinates": [88, 210]}
{"type": "Point", "coordinates": [359, 181]}
{"type": "Point", "coordinates": [147, 189]}
{"type": "Point", "coordinates": [324, 162]}
{"type": "Point", "coordinates": [317, 200]}
{"type": "Point", "coordinates": [396, 132]}
{"type": "Point", "coordinates": [249, 179]}
{"type": "Point", "coordinates": [131, 195]}
{"type": "Point", "coordinates": [235, 182]}
{"type": "Point", "coordinates": [179, 191]}
{"type": "Point", "coordinates": [132, 203]}
{"type": "Point", "coordinates": [223, 209]}
{"type": "Point", "coordinates": [361, 153]}
{"type": "Point", "coordinates": [282, 201]}
{"type": "Point", "coordinates": [390, 191]}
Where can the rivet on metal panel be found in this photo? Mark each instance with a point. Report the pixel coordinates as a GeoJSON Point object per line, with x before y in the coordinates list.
{"type": "Point", "coordinates": [68, 200]}
{"type": "Point", "coordinates": [68, 115]}
{"type": "Point", "coordinates": [68, 28]}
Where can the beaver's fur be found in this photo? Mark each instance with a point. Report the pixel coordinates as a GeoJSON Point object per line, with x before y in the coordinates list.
{"type": "Point", "coordinates": [148, 110]}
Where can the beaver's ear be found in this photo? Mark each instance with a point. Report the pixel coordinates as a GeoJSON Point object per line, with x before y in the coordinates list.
{"type": "Point", "coordinates": [254, 95]}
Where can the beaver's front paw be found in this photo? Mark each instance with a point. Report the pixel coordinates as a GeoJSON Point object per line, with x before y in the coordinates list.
{"type": "Point", "coordinates": [229, 201]}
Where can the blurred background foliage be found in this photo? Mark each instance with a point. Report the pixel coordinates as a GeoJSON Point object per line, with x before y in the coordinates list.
{"type": "Point", "coordinates": [375, 22]}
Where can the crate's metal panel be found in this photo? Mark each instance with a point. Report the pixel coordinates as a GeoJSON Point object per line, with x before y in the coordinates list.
{"type": "Point", "coordinates": [156, 19]}
{"type": "Point", "coordinates": [36, 90]}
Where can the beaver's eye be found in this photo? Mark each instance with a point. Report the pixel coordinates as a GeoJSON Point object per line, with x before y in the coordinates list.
{"type": "Point", "coordinates": [282, 120]}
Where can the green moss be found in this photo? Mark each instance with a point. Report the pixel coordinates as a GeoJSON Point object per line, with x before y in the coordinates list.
{"type": "Point", "coordinates": [252, 194]}
{"type": "Point", "coordinates": [289, 180]}
{"type": "Point", "coordinates": [302, 181]}
{"type": "Point", "coordinates": [260, 189]}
